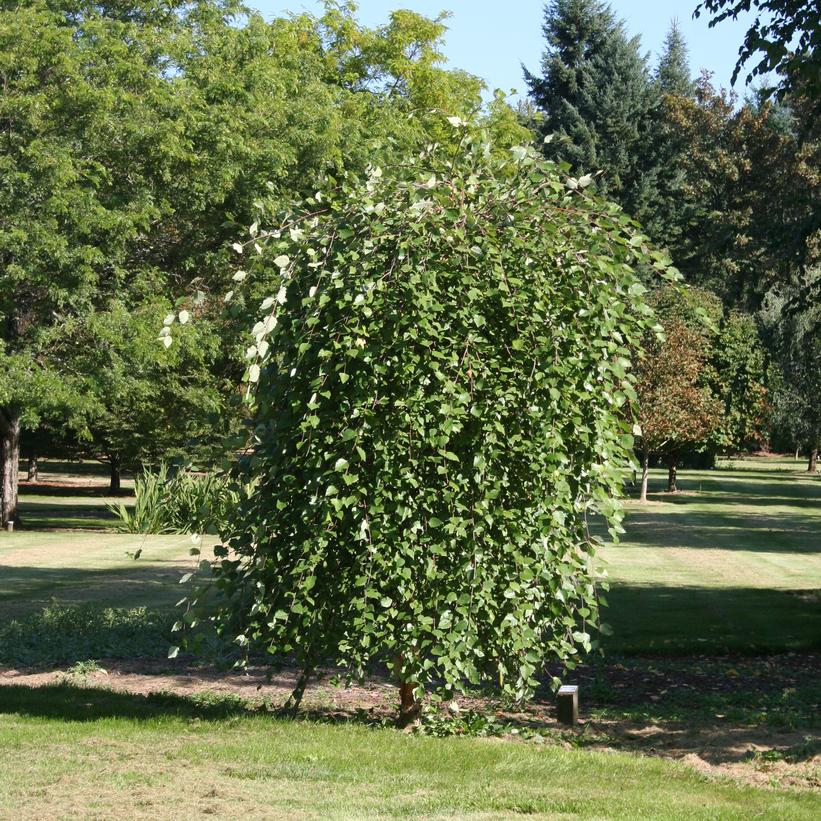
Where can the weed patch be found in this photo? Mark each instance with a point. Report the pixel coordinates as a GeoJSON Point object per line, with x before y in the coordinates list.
{"type": "Point", "coordinates": [61, 634]}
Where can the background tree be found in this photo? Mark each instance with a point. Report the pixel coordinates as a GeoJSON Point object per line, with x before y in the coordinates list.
{"type": "Point", "coordinates": [675, 406]}
{"type": "Point", "coordinates": [739, 360]}
{"type": "Point", "coordinates": [673, 74]}
{"type": "Point", "coordinates": [598, 100]}
{"type": "Point", "coordinates": [426, 439]}
{"type": "Point", "coordinates": [76, 133]}
{"type": "Point", "coordinates": [743, 211]}
{"type": "Point", "coordinates": [147, 403]}
{"type": "Point", "coordinates": [794, 337]}
{"type": "Point", "coordinates": [785, 36]}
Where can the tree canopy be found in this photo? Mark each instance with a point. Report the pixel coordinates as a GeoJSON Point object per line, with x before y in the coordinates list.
{"type": "Point", "coordinates": [675, 405]}
{"type": "Point", "coordinates": [785, 37]}
{"type": "Point", "coordinates": [439, 376]}
{"type": "Point", "coordinates": [81, 114]}
{"type": "Point", "coordinates": [597, 99]}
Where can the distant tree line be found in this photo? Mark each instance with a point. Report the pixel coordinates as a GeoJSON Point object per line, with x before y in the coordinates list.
{"type": "Point", "coordinates": [731, 188]}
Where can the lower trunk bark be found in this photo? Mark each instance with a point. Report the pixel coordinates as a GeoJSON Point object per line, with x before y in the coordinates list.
{"type": "Point", "coordinates": [672, 475]}
{"type": "Point", "coordinates": [645, 475]}
{"type": "Point", "coordinates": [813, 463]}
{"type": "Point", "coordinates": [409, 707]}
{"type": "Point", "coordinates": [295, 699]}
{"type": "Point", "coordinates": [10, 465]}
{"type": "Point", "coordinates": [114, 482]}
{"type": "Point", "coordinates": [33, 470]}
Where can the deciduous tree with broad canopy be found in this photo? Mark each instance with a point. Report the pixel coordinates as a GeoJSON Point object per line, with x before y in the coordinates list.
{"type": "Point", "coordinates": [676, 407]}
{"type": "Point", "coordinates": [439, 379]}
{"type": "Point", "coordinates": [785, 37]}
{"type": "Point", "coordinates": [136, 137]}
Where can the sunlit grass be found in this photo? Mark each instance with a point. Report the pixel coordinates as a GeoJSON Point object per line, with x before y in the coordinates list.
{"type": "Point", "coordinates": [67, 751]}
{"type": "Point", "coordinates": [728, 564]}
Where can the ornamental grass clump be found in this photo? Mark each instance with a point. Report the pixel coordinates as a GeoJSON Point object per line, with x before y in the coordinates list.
{"type": "Point", "coordinates": [439, 380]}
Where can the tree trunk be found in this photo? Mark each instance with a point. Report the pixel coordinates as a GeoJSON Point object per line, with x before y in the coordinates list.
{"type": "Point", "coordinates": [813, 463]}
{"type": "Point", "coordinates": [33, 470]}
{"type": "Point", "coordinates": [295, 699]}
{"type": "Point", "coordinates": [672, 474]}
{"type": "Point", "coordinates": [10, 461]}
{"type": "Point", "coordinates": [114, 465]}
{"type": "Point", "coordinates": [645, 474]}
{"type": "Point", "coordinates": [409, 707]}
{"type": "Point", "coordinates": [797, 450]}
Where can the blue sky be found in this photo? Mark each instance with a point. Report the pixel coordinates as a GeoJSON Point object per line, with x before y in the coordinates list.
{"type": "Point", "coordinates": [492, 39]}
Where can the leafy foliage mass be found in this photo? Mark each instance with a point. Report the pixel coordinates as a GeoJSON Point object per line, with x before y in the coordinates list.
{"type": "Point", "coordinates": [785, 38]}
{"type": "Point", "coordinates": [439, 381]}
{"type": "Point", "coordinates": [182, 503]}
{"type": "Point", "coordinates": [675, 405]}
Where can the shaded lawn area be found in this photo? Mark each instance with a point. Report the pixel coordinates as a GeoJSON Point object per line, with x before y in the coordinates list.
{"type": "Point", "coordinates": [96, 752]}
{"type": "Point", "coordinates": [70, 495]}
{"type": "Point", "coordinates": [48, 511]}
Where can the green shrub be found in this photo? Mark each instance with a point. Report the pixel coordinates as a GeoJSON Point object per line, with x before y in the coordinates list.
{"type": "Point", "coordinates": [439, 383]}
{"type": "Point", "coordinates": [179, 503]}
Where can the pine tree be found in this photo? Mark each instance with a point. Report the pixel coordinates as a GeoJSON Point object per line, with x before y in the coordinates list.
{"type": "Point", "coordinates": [673, 70]}
{"type": "Point", "coordinates": [598, 98]}
{"type": "Point", "coordinates": [675, 85]}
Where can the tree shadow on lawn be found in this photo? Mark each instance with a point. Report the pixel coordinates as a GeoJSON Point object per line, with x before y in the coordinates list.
{"type": "Point", "coordinates": [37, 516]}
{"type": "Point", "coordinates": [760, 533]}
{"type": "Point", "coordinates": [25, 589]}
{"type": "Point", "coordinates": [714, 724]}
{"type": "Point", "coordinates": [716, 486]}
{"type": "Point", "coordinates": [66, 489]}
{"type": "Point", "coordinates": [77, 702]}
{"type": "Point", "coordinates": [672, 620]}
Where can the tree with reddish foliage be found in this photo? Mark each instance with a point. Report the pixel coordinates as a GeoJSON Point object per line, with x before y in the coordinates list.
{"type": "Point", "coordinates": [676, 408]}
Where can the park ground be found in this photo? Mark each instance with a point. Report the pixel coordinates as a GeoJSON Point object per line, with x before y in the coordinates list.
{"type": "Point", "coordinates": [706, 704]}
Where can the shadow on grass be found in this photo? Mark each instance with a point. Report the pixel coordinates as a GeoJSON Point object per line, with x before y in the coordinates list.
{"type": "Point", "coordinates": [751, 489]}
{"type": "Point", "coordinates": [672, 731]}
{"type": "Point", "coordinates": [69, 701]}
{"type": "Point", "coordinates": [65, 489]}
{"type": "Point", "coordinates": [761, 533]}
{"type": "Point", "coordinates": [36, 516]}
{"type": "Point", "coordinates": [24, 590]}
{"type": "Point", "coordinates": [72, 702]}
{"type": "Point", "coordinates": [671, 620]}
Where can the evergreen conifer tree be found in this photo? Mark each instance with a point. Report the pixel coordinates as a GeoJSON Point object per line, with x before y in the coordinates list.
{"type": "Point", "coordinates": [598, 99]}
{"type": "Point", "coordinates": [675, 84]}
{"type": "Point", "coordinates": [673, 70]}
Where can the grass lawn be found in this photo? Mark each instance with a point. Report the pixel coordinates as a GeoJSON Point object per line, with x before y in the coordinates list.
{"type": "Point", "coordinates": [70, 752]}
{"type": "Point", "coordinates": [75, 568]}
{"type": "Point", "coordinates": [70, 495]}
{"type": "Point", "coordinates": [732, 564]}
